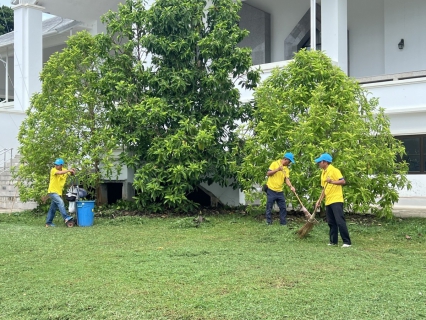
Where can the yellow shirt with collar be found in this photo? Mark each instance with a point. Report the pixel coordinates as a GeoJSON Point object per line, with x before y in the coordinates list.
{"type": "Point", "coordinates": [333, 192]}
{"type": "Point", "coordinates": [276, 181]}
{"type": "Point", "coordinates": [57, 181]}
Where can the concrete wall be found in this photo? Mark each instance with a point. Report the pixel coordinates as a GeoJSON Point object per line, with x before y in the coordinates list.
{"type": "Point", "coordinates": [227, 196]}
{"type": "Point", "coordinates": [405, 20]}
{"type": "Point", "coordinates": [258, 23]}
{"type": "Point", "coordinates": [10, 121]}
{"type": "Point", "coordinates": [366, 34]}
{"type": "Point", "coordinates": [375, 28]}
{"type": "Point", "coordinates": [47, 52]}
{"type": "Point", "coordinates": [284, 17]}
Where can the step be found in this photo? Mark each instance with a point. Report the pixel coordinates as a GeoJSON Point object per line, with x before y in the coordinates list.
{"type": "Point", "coordinates": [8, 188]}
{"type": "Point", "coordinates": [15, 204]}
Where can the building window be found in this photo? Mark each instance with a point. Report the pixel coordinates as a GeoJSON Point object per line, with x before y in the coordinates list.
{"type": "Point", "coordinates": [415, 149]}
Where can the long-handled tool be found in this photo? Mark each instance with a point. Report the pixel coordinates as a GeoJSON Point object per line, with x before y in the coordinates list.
{"type": "Point", "coordinates": [304, 210]}
{"type": "Point", "coordinates": [309, 225]}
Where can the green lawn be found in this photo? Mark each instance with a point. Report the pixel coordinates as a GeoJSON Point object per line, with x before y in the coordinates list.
{"type": "Point", "coordinates": [230, 267]}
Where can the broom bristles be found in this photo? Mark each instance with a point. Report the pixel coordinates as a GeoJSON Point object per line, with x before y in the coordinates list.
{"type": "Point", "coordinates": [309, 225]}
{"type": "Point", "coordinates": [302, 232]}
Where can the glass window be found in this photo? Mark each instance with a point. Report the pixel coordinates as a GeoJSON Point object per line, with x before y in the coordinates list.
{"type": "Point", "coordinates": [415, 149]}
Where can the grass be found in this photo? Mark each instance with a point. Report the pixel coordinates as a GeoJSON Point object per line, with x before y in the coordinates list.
{"type": "Point", "coordinates": [230, 267]}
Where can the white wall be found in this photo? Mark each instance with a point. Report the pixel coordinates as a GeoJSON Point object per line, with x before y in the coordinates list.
{"type": "Point", "coordinates": [47, 52]}
{"type": "Point", "coordinates": [284, 17]}
{"type": "Point", "coordinates": [10, 121]}
{"type": "Point", "coordinates": [226, 195]}
{"type": "Point", "coordinates": [408, 123]}
{"type": "Point", "coordinates": [401, 95]}
{"type": "Point", "coordinates": [375, 28]}
{"type": "Point", "coordinates": [405, 20]}
{"type": "Point", "coordinates": [418, 189]}
{"type": "Point", "coordinates": [366, 37]}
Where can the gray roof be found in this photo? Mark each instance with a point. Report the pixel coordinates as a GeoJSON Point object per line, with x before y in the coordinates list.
{"type": "Point", "coordinates": [49, 26]}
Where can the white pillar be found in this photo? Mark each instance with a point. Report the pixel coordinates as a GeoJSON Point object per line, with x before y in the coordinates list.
{"type": "Point", "coordinates": [28, 56]}
{"type": "Point", "coordinates": [334, 31]}
{"type": "Point", "coordinates": [97, 27]}
{"type": "Point", "coordinates": [313, 24]}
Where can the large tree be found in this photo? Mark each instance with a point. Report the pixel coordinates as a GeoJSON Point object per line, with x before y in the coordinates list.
{"type": "Point", "coordinates": [6, 20]}
{"type": "Point", "coordinates": [174, 68]}
{"type": "Point", "coordinates": [310, 107]}
{"type": "Point", "coordinates": [67, 119]}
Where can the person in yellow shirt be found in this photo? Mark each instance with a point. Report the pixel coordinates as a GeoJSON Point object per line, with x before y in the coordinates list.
{"type": "Point", "coordinates": [58, 177]}
{"type": "Point", "coordinates": [278, 173]}
{"type": "Point", "coordinates": [332, 180]}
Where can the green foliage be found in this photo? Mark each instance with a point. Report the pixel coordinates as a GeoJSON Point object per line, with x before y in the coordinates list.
{"type": "Point", "coordinates": [6, 20]}
{"type": "Point", "coordinates": [174, 67]}
{"type": "Point", "coordinates": [120, 207]}
{"type": "Point", "coordinates": [310, 107]}
{"type": "Point", "coordinates": [67, 119]}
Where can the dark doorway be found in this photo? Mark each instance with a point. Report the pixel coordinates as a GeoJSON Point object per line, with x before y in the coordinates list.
{"type": "Point", "coordinates": [115, 192]}
{"type": "Point", "coordinates": [200, 197]}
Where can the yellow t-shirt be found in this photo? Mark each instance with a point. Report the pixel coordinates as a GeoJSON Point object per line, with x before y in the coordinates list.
{"type": "Point", "coordinates": [276, 181]}
{"type": "Point", "coordinates": [57, 181]}
{"type": "Point", "coordinates": [333, 192]}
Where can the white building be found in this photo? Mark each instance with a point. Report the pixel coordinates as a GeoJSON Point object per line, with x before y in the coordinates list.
{"type": "Point", "coordinates": [382, 43]}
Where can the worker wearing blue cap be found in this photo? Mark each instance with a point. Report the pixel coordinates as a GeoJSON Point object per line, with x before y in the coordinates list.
{"type": "Point", "coordinates": [332, 180]}
{"type": "Point", "coordinates": [58, 177]}
{"type": "Point", "coordinates": [278, 173]}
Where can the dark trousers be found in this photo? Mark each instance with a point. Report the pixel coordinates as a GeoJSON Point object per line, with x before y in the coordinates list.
{"type": "Point", "coordinates": [273, 196]}
{"type": "Point", "coordinates": [337, 223]}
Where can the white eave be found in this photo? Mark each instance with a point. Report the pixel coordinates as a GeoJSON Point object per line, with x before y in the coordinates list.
{"type": "Point", "coordinates": [86, 11]}
{"type": "Point", "coordinates": [52, 26]}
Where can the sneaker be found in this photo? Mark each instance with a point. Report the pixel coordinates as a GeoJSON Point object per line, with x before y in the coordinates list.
{"type": "Point", "coordinates": [48, 225]}
{"type": "Point", "coordinates": [345, 245]}
{"type": "Point", "coordinates": [332, 244]}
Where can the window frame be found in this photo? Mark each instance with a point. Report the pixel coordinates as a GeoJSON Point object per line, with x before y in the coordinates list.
{"type": "Point", "coordinates": [422, 151]}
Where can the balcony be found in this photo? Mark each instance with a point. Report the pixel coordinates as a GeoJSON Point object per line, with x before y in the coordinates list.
{"type": "Point", "coordinates": [402, 97]}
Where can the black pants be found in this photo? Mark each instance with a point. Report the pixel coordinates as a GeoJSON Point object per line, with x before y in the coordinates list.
{"type": "Point", "coordinates": [337, 223]}
{"type": "Point", "coordinates": [273, 196]}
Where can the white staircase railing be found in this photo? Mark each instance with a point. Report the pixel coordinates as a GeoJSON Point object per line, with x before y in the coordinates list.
{"type": "Point", "coordinates": [6, 157]}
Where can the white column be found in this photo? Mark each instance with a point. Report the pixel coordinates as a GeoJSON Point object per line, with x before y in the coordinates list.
{"type": "Point", "coordinates": [28, 56]}
{"type": "Point", "coordinates": [334, 31]}
{"type": "Point", "coordinates": [97, 27]}
{"type": "Point", "coordinates": [313, 24]}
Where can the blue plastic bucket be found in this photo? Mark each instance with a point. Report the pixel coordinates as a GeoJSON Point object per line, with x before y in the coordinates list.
{"type": "Point", "coordinates": [85, 213]}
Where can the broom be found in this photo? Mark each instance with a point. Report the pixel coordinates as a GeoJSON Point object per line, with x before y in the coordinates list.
{"type": "Point", "coordinates": [309, 225]}
{"type": "Point", "coordinates": [304, 210]}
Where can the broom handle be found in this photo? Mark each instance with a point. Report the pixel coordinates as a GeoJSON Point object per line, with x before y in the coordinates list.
{"type": "Point", "coordinates": [319, 201]}
{"type": "Point", "coordinates": [298, 199]}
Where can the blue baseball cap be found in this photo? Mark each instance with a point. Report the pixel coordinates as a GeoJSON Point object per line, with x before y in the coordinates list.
{"type": "Point", "coordinates": [289, 156]}
{"type": "Point", "coordinates": [324, 157]}
{"type": "Point", "coordinates": [59, 162]}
